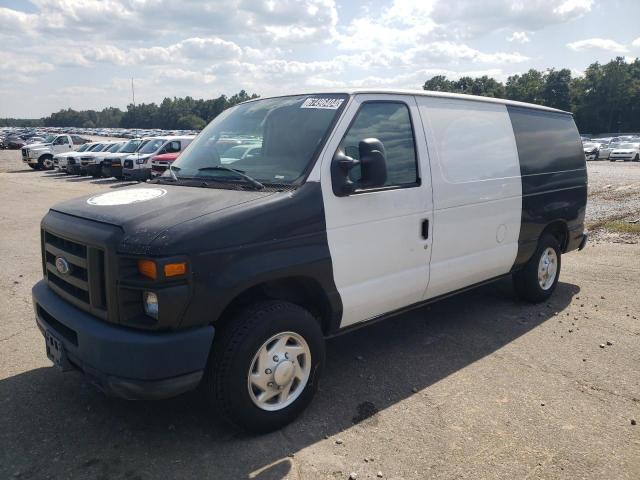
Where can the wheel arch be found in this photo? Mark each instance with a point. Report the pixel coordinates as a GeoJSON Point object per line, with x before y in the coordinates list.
{"type": "Point", "coordinates": [560, 230]}
{"type": "Point", "coordinates": [301, 290]}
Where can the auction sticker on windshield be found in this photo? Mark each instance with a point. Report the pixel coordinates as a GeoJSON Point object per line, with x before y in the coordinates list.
{"type": "Point", "coordinates": [126, 197]}
{"type": "Point", "coordinates": [324, 103]}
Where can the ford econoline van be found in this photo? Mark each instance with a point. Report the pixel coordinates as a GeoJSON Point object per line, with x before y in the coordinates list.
{"type": "Point", "coordinates": [357, 206]}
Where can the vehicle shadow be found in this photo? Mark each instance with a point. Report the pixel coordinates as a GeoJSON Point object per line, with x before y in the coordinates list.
{"type": "Point", "coordinates": [28, 170]}
{"type": "Point", "coordinates": [57, 425]}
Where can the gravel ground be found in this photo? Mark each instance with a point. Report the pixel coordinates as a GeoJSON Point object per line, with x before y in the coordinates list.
{"type": "Point", "coordinates": [475, 386]}
{"type": "Point", "coordinates": [614, 193]}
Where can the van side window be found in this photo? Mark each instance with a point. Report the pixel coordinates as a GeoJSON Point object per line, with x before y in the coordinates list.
{"type": "Point", "coordinates": [61, 141]}
{"type": "Point", "coordinates": [171, 147]}
{"type": "Point", "coordinates": [389, 122]}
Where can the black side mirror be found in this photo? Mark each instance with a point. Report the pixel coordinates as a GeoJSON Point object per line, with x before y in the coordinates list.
{"type": "Point", "coordinates": [373, 168]}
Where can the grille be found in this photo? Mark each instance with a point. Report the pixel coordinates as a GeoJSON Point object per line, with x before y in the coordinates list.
{"type": "Point", "coordinates": [84, 283]}
{"type": "Point", "coordinates": [71, 161]}
{"type": "Point", "coordinates": [25, 153]}
{"type": "Point", "coordinates": [128, 164]}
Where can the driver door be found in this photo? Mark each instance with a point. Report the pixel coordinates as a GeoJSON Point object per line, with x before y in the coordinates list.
{"type": "Point", "coordinates": [380, 238]}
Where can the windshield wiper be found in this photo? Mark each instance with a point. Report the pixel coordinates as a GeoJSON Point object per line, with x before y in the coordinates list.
{"type": "Point", "coordinates": [239, 173]}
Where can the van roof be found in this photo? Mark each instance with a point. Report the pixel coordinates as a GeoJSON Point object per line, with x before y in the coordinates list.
{"type": "Point", "coordinates": [425, 93]}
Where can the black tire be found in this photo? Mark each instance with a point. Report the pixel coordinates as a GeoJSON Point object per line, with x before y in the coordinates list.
{"type": "Point", "coordinates": [636, 158]}
{"type": "Point", "coordinates": [42, 160]}
{"type": "Point", "coordinates": [34, 167]}
{"type": "Point", "coordinates": [225, 382]}
{"type": "Point", "coordinates": [526, 281]}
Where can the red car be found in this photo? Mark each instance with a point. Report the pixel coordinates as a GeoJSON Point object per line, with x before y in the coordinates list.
{"type": "Point", "coordinates": [160, 163]}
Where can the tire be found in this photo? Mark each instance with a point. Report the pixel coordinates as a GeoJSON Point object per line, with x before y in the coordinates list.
{"type": "Point", "coordinates": [45, 162]}
{"type": "Point", "coordinates": [34, 167]}
{"type": "Point", "coordinates": [235, 353]}
{"type": "Point", "coordinates": [526, 282]}
{"type": "Point", "coordinates": [636, 158]}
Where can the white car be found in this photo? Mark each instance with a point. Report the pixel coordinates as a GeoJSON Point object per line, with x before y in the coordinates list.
{"type": "Point", "coordinates": [92, 161]}
{"type": "Point", "coordinates": [240, 152]}
{"type": "Point", "coordinates": [626, 152]}
{"type": "Point", "coordinates": [60, 160]}
{"type": "Point", "coordinates": [591, 150]}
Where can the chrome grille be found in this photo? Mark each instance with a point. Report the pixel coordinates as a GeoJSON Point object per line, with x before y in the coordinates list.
{"type": "Point", "coordinates": [84, 283]}
{"type": "Point", "coordinates": [128, 164]}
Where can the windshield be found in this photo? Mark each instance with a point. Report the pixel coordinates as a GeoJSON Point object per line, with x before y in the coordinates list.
{"type": "Point", "coordinates": [131, 146]}
{"type": "Point", "coordinates": [48, 139]}
{"type": "Point", "coordinates": [271, 140]}
{"type": "Point", "coordinates": [153, 145]}
{"type": "Point", "coordinates": [627, 145]}
{"type": "Point", "coordinates": [83, 147]}
{"type": "Point", "coordinates": [115, 148]}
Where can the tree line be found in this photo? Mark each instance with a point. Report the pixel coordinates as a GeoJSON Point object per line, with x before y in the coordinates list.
{"type": "Point", "coordinates": [171, 114]}
{"type": "Point", "coordinates": [605, 99]}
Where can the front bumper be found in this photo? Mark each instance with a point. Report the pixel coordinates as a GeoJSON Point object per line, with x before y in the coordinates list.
{"type": "Point", "coordinates": [121, 361]}
{"type": "Point", "coordinates": [139, 174]}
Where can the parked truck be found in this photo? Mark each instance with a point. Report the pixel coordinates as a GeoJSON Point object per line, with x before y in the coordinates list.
{"type": "Point", "coordinates": [39, 156]}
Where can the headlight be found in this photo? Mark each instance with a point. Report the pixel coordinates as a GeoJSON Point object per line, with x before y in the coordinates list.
{"type": "Point", "coordinates": [150, 301]}
{"type": "Point", "coordinates": [140, 161]}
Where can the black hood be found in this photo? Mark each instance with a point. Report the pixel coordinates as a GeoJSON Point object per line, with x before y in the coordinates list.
{"type": "Point", "coordinates": [168, 205]}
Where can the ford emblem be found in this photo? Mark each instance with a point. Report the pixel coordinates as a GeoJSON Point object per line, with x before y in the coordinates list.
{"type": "Point", "coordinates": [62, 265]}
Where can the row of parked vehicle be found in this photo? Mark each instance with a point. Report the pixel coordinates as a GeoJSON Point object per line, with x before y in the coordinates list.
{"type": "Point", "coordinates": [625, 148]}
{"type": "Point", "coordinates": [136, 159]}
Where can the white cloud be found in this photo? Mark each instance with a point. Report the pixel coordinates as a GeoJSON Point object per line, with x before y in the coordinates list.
{"type": "Point", "coordinates": [603, 44]}
{"type": "Point", "coordinates": [519, 37]}
{"type": "Point", "coordinates": [636, 43]}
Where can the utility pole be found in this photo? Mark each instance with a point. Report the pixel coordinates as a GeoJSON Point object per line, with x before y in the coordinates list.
{"type": "Point", "coordinates": [133, 93]}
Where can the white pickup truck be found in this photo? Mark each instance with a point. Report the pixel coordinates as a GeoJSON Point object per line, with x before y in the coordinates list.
{"type": "Point", "coordinates": [39, 156]}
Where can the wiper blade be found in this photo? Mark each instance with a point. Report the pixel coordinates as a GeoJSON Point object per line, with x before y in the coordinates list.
{"type": "Point", "coordinates": [239, 173]}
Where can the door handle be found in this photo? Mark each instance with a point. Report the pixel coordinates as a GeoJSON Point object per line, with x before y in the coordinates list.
{"type": "Point", "coordinates": [425, 228]}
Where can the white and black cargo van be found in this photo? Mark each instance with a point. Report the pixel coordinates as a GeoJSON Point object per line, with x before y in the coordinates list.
{"type": "Point", "coordinates": [359, 205]}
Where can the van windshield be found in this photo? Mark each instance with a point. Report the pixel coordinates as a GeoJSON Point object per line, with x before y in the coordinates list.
{"type": "Point", "coordinates": [131, 146]}
{"type": "Point", "coordinates": [153, 145]}
{"type": "Point", "coordinates": [272, 141]}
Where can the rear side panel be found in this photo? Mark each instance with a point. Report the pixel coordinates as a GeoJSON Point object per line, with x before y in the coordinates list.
{"type": "Point", "coordinates": [554, 176]}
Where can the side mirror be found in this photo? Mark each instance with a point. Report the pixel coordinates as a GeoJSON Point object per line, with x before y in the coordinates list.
{"type": "Point", "coordinates": [373, 168]}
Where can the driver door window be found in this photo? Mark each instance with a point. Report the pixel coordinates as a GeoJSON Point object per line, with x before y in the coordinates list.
{"type": "Point", "coordinates": [389, 122]}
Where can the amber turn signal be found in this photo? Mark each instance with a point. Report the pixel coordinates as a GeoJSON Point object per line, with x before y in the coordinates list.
{"type": "Point", "coordinates": [148, 269]}
{"type": "Point", "coordinates": [175, 269]}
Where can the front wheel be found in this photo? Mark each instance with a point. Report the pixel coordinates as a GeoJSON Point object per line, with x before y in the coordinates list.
{"type": "Point", "coordinates": [538, 279]}
{"type": "Point", "coordinates": [264, 367]}
{"type": "Point", "coordinates": [45, 163]}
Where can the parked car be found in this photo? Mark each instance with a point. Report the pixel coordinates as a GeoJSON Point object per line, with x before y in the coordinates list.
{"type": "Point", "coordinates": [137, 166]}
{"type": "Point", "coordinates": [626, 152]}
{"type": "Point", "coordinates": [240, 152]}
{"type": "Point", "coordinates": [40, 155]}
{"type": "Point", "coordinates": [14, 143]}
{"type": "Point", "coordinates": [60, 159]}
{"type": "Point", "coordinates": [161, 162]}
{"type": "Point", "coordinates": [74, 163]}
{"type": "Point", "coordinates": [92, 162]}
{"type": "Point", "coordinates": [591, 150]}
{"type": "Point", "coordinates": [345, 218]}
{"type": "Point", "coordinates": [112, 164]}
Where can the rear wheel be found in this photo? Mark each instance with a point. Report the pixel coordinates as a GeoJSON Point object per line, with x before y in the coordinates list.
{"type": "Point", "coordinates": [264, 366]}
{"type": "Point", "coordinates": [538, 279]}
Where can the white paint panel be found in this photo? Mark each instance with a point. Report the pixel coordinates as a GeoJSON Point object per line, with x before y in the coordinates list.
{"type": "Point", "coordinates": [477, 191]}
{"type": "Point", "coordinates": [380, 260]}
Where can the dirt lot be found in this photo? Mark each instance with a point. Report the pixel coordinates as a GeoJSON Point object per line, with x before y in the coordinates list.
{"type": "Point", "coordinates": [477, 386]}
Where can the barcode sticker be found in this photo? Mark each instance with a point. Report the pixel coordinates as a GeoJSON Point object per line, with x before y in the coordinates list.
{"type": "Point", "coordinates": [323, 103]}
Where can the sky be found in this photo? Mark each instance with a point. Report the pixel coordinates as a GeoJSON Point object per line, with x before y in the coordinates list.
{"type": "Point", "coordinates": [82, 54]}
